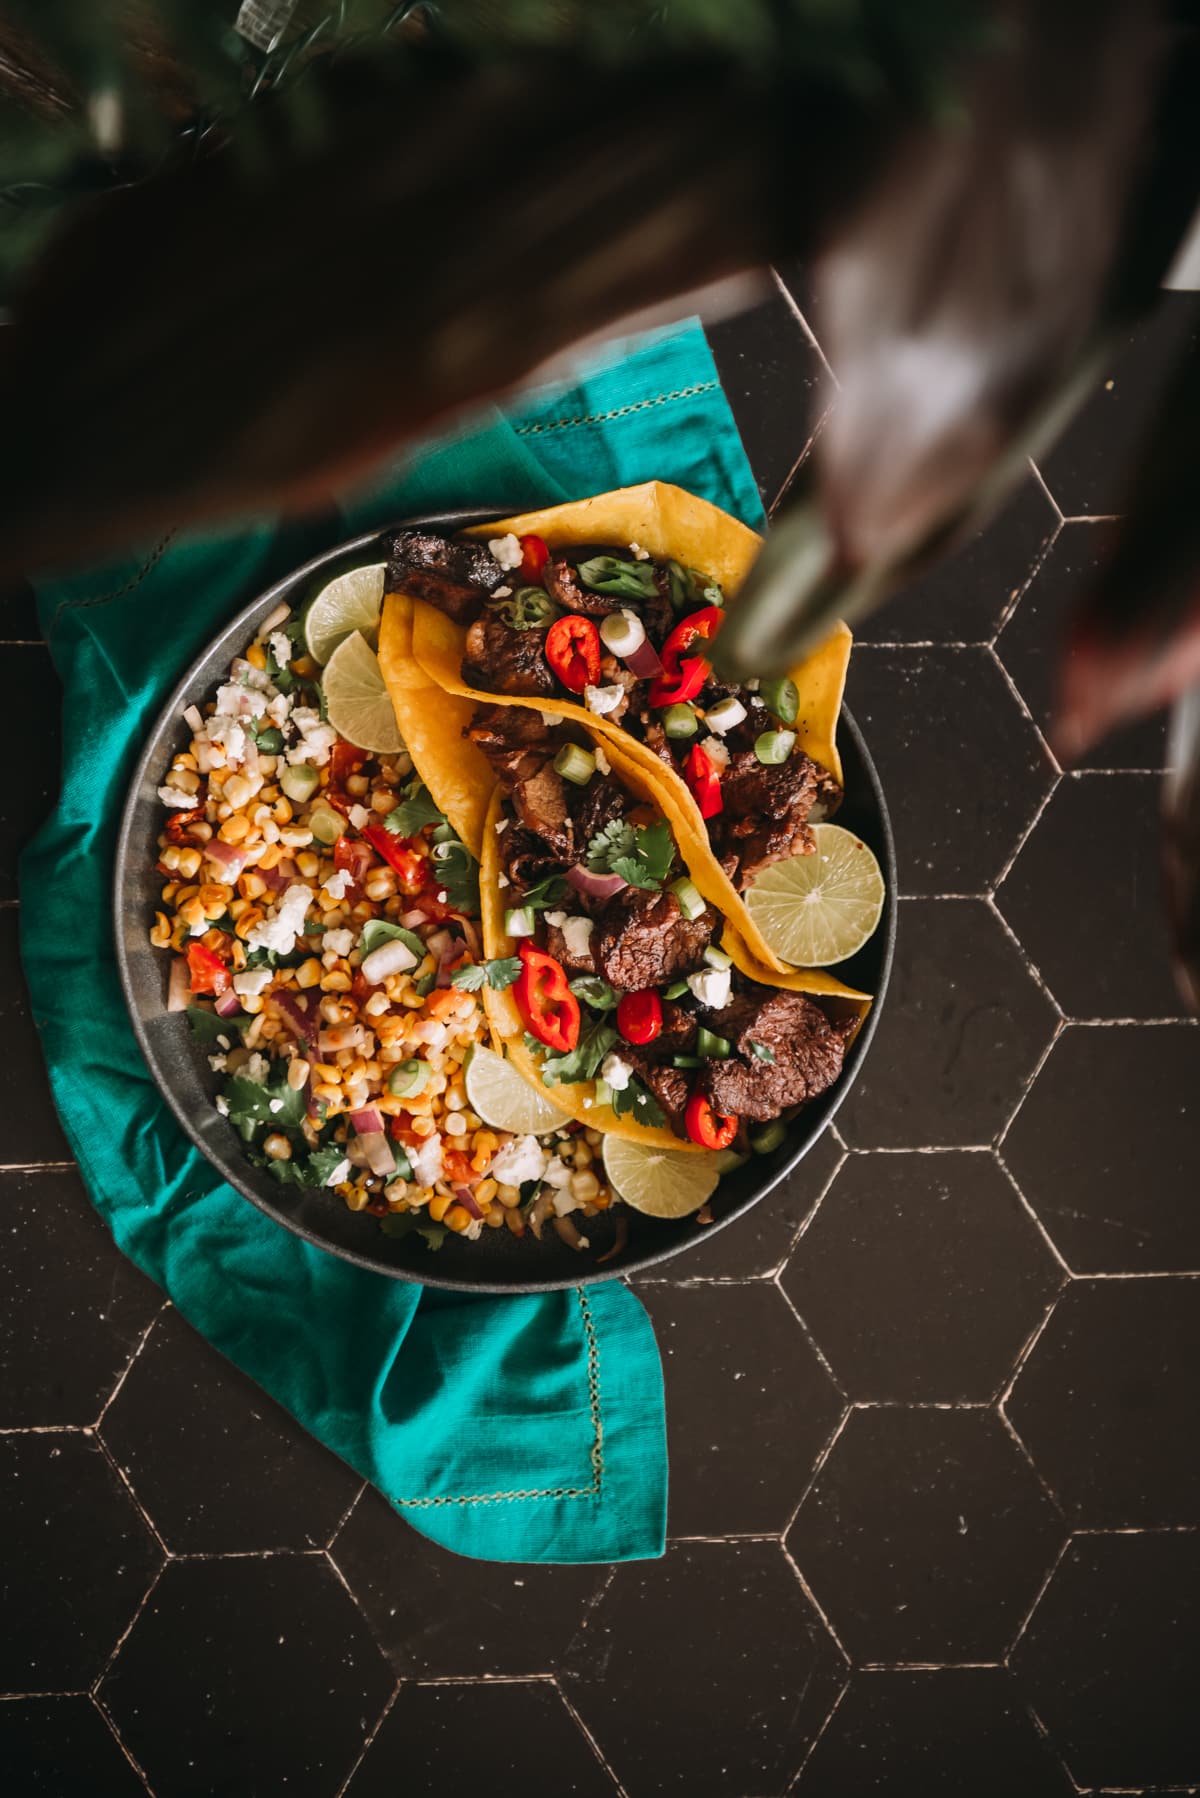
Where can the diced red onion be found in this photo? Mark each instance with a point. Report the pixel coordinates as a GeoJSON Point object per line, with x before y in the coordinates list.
{"type": "Point", "coordinates": [412, 920]}
{"type": "Point", "coordinates": [229, 860]}
{"type": "Point", "coordinates": [296, 1013]}
{"type": "Point", "coordinates": [378, 1151]}
{"type": "Point", "coordinates": [228, 1005]}
{"type": "Point", "coordinates": [450, 953]}
{"type": "Point", "coordinates": [367, 1121]}
{"type": "Point", "coordinates": [596, 886]}
{"type": "Point", "coordinates": [179, 986]}
{"type": "Point", "coordinates": [466, 1199]}
{"type": "Point", "coordinates": [645, 661]}
{"type": "Point", "coordinates": [275, 878]}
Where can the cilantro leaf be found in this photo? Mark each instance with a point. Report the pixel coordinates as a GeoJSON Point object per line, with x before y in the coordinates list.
{"type": "Point", "coordinates": [583, 1062]}
{"type": "Point", "coordinates": [634, 872]}
{"type": "Point", "coordinates": [377, 931]}
{"type": "Point", "coordinates": [409, 1223]}
{"type": "Point", "coordinates": [617, 838]}
{"type": "Point", "coordinates": [653, 851]}
{"type": "Point", "coordinates": [415, 810]}
{"type": "Point", "coordinates": [594, 992]}
{"type": "Point", "coordinates": [637, 1102]}
{"type": "Point", "coordinates": [546, 892]}
{"type": "Point", "coordinates": [207, 1026]}
{"type": "Point", "coordinates": [763, 1052]}
{"type": "Point", "coordinates": [323, 1161]}
{"type": "Point", "coordinates": [424, 986]}
{"type": "Point", "coordinates": [470, 977]}
{"type": "Point", "coordinates": [458, 876]}
{"type": "Point", "coordinates": [277, 1104]}
{"type": "Point", "coordinates": [497, 974]}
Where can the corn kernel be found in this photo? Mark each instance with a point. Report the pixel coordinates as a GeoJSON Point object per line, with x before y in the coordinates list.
{"type": "Point", "coordinates": [357, 784]}
{"type": "Point", "coordinates": [508, 1195]}
{"type": "Point", "coordinates": [584, 1185]}
{"type": "Point", "coordinates": [184, 778]}
{"type": "Point", "coordinates": [470, 1120]}
{"type": "Point", "coordinates": [336, 982]}
{"type": "Point", "coordinates": [189, 863]}
{"type": "Point", "coordinates": [494, 1219]}
{"type": "Point", "coordinates": [458, 1218]}
{"type": "Point", "coordinates": [382, 800]}
{"type": "Point", "coordinates": [325, 1090]}
{"type": "Point", "coordinates": [381, 884]}
{"type": "Point", "coordinates": [376, 1005]}
{"type": "Point", "coordinates": [439, 1204]}
{"type": "Point", "coordinates": [160, 935]}
{"type": "Point", "coordinates": [277, 1147]}
{"type": "Point", "coordinates": [515, 1222]}
{"type": "Point", "coordinates": [422, 1126]}
{"type": "Point", "coordinates": [256, 655]}
{"type": "Point", "coordinates": [308, 864]}
{"type": "Point", "coordinates": [185, 760]}
{"type": "Point", "coordinates": [252, 1002]}
{"type": "Point", "coordinates": [281, 810]}
{"type": "Point", "coordinates": [326, 1070]}
{"type": "Point", "coordinates": [238, 791]}
{"type": "Point", "coordinates": [297, 1074]}
{"type": "Point", "coordinates": [252, 915]}
{"type": "Point", "coordinates": [309, 972]}
{"type": "Point", "coordinates": [357, 1199]}
{"type": "Point", "coordinates": [485, 1192]}
{"type": "Point", "coordinates": [304, 666]}
{"type": "Point", "coordinates": [234, 830]}
{"type": "Point", "coordinates": [170, 858]}
{"type": "Point", "coordinates": [455, 1125]}
{"type": "Point", "coordinates": [456, 1099]}
{"type": "Point", "coordinates": [214, 898]}
{"type": "Point", "coordinates": [485, 1142]}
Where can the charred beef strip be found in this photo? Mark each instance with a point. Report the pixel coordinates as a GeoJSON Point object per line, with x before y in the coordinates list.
{"type": "Point", "coordinates": [556, 945]}
{"type": "Point", "coordinates": [599, 803]}
{"type": "Point", "coordinates": [765, 811]}
{"type": "Point", "coordinates": [567, 590]}
{"type": "Point", "coordinates": [527, 861]}
{"type": "Point", "coordinates": [655, 738]}
{"type": "Point", "coordinates": [678, 1033]}
{"type": "Point", "coordinates": [541, 806]}
{"type": "Point", "coordinates": [643, 939]}
{"type": "Point", "coordinates": [454, 574]}
{"type": "Point", "coordinates": [499, 659]}
{"type": "Point", "coordinates": [520, 748]}
{"type": "Point", "coordinates": [669, 1085]}
{"type": "Point", "coordinates": [808, 1052]}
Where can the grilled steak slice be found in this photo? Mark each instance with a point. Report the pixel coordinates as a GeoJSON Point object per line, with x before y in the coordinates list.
{"type": "Point", "coordinates": [655, 739]}
{"type": "Point", "coordinates": [669, 1085]}
{"type": "Point", "coordinates": [556, 945]}
{"type": "Point", "coordinates": [808, 1052]}
{"type": "Point", "coordinates": [498, 659]}
{"type": "Point", "coordinates": [564, 586]}
{"type": "Point", "coordinates": [527, 861]}
{"type": "Point", "coordinates": [541, 806]}
{"type": "Point", "coordinates": [601, 802]}
{"type": "Point", "coordinates": [643, 939]}
{"type": "Point", "coordinates": [454, 574]}
{"type": "Point", "coordinates": [513, 738]}
{"type": "Point", "coordinates": [765, 810]}
{"type": "Point", "coordinates": [678, 1033]}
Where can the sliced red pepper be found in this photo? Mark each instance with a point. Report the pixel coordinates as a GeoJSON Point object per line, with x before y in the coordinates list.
{"type": "Point", "coordinates": [178, 823]}
{"type": "Point", "coordinates": [352, 857]}
{"type": "Point", "coordinates": [573, 651]}
{"type": "Point", "coordinates": [456, 1167]}
{"type": "Point", "coordinates": [674, 689]}
{"type": "Point", "coordinates": [209, 973]}
{"type": "Point", "coordinates": [639, 1016]}
{"type": "Point", "coordinates": [398, 852]}
{"type": "Point", "coordinates": [683, 675]}
{"type": "Point", "coordinates": [535, 553]}
{"type": "Point", "coordinates": [704, 782]}
{"type": "Point", "coordinates": [345, 759]}
{"type": "Point", "coordinates": [545, 1000]}
{"type": "Point", "coordinates": [706, 1126]}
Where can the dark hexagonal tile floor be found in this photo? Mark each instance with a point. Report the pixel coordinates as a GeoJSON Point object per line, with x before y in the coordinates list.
{"type": "Point", "coordinates": [504, 1738]}
{"type": "Point", "coordinates": [1107, 1395]}
{"type": "Point", "coordinates": [1108, 1662]}
{"type": "Point", "coordinates": [217, 1464]}
{"type": "Point", "coordinates": [749, 1406]}
{"type": "Point", "coordinates": [732, 1700]}
{"type": "Point", "coordinates": [1116, 1196]}
{"type": "Point", "coordinates": [85, 1561]}
{"type": "Point", "coordinates": [977, 1276]}
{"type": "Point", "coordinates": [1083, 896]}
{"type": "Point", "coordinates": [62, 1748]}
{"type": "Point", "coordinates": [925, 1536]}
{"type": "Point", "coordinates": [61, 1361]}
{"type": "Point", "coordinates": [961, 1732]}
{"type": "Point", "coordinates": [254, 1675]}
{"type": "Point", "coordinates": [32, 1132]}
{"type": "Point", "coordinates": [956, 826]}
{"type": "Point", "coordinates": [435, 1613]}
{"type": "Point", "coordinates": [964, 1027]}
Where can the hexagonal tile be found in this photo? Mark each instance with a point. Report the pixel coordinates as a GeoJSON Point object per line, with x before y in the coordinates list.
{"type": "Point", "coordinates": [1115, 1199]}
{"type": "Point", "coordinates": [61, 1361]}
{"type": "Point", "coordinates": [963, 598]}
{"type": "Point", "coordinates": [916, 708]}
{"type": "Point", "coordinates": [218, 1464]}
{"type": "Point", "coordinates": [62, 1748]}
{"type": "Point", "coordinates": [749, 1406]}
{"type": "Point", "coordinates": [707, 1673]}
{"type": "Point", "coordinates": [771, 374]}
{"type": "Point", "coordinates": [1106, 1402]}
{"type": "Point", "coordinates": [435, 1612]}
{"type": "Point", "coordinates": [925, 1536]}
{"type": "Point", "coordinates": [753, 1246]}
{"type": "Point", "coordinates": [32, 1131]}
{"type": "Point", "coordinates": [77, 1562]}
{"type": "Point", "coordinates": [1031, 643]}
{"type": "Point", "coordinates": [956, 1731]}
{"type": "Point", "coordinates": [259, 1664]}
{"type": "Point", "coordinates": [921, 1276]}
{"type": "Point", "coordinates": [1084, 897]}
{"type": "Point", "coordinates": [493, 1738]}
{"type": "Point", "coordinates": [962, 1031]}
{"type": "Point", "coordinates": [1088, 469]}
{"type": "Point", "coordinates": [1110, 1661]}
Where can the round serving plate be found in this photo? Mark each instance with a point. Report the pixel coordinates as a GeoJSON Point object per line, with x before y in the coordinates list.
{"type": "Point", "coordinates": [497, 1262]}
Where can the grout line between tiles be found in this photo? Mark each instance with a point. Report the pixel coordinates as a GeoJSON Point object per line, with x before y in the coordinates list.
{"type": "Point", "coordinates": [806, 1221]}
{"type": "Point", "coordinates": [589, 1738]}
{"type": "Point", "coordinates": [797, 465]}
{"type": "Point", "coordinates": [813, 1477]}
{"type": "Point", "coordinates": [1051, 758]}
{"type": "Point", "coordinates": [370, 1736]}
{"type": "Point", "coordinates": [32, 1167]}
{"type": "Point", "coordinates": [48, 1429]}
{"type": "Point", "coordinates": [1040, 478]}
{"type": "Point", "coordinates": [1037, 1599]}
{"type": "Point", "coordinates": [811, 1596]}
{"type": "Point", "coordinates": [1024, 837]}
{"type": "Point", "coordinates": [794, 1782]}
{"type": "Point", "coordinates": [94, 1689]}
{"type": "Point", "coordinates": [118, 1738]}
{"type": "Point", "coordinates": [124, 1374]}
{"type": "Point", "coordinates": [929, 1666]}
{"type": "Point", "coordinates": [1019, 1443]}
{"type": "Point", "coordinates": [345, 1517]}
{"type": "Point", "coordinates": [131, 1492]}
{"type": "Point", "coordinates": [1043, 1232]}
{"type": "Point", "coordinates": [1051, 1746]}
{"type": "Point", "coordinates": [1000, 1140]}
{"type": "Point", "coordinates": [794, 306]}
{"type": "Point", "coordinates": [813, 1344]}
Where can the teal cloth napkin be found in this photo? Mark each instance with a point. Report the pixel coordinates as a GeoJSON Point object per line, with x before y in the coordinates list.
{"type": "Point", "coordinates": [511, 1428]}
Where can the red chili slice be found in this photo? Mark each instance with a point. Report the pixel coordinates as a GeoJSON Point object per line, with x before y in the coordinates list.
{"type": "Point", "coordinates": [639, 1016]}
{"type": "Point", "coordinates": [208, 972]}
{"type": "Point", "coordinates": [675, 689]}
{"type": "Point", "coordinates": [573, 651]}
{"type": "Point", "coordinates": [706, 1126]}
{"type": "Point", "coordinates": [704, 783]}
{"type": "Point", "coordinates": [535, 553]}
{"type": "Point", "coordinates": [398, 852]}
{"type": "Point", "coordinates": [545, 1000]}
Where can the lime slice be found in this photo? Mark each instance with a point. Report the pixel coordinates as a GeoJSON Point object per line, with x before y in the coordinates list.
{"type": "Point", "coordinates": [660, 1182]}
{"type": "Point", "coordinates": [820, 908]}
{"type": "Point", "coordinates": [350, 603]}
{"type": "Point", "coordinates": [357, 700]}
{"type": "Point", "coordinates": [504, 1098]}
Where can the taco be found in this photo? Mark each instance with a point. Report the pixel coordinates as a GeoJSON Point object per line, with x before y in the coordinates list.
{"type": "Point", "coordinates": [599, 612]}
{"type": "Point", "coordinates": [618, 989]}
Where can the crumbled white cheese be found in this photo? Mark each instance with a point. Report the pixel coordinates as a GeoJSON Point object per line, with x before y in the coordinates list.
{"type": "Point", "coordinates": [340, 942]}
{"type": "Point", "coordinates": [603, 699]}
{"type": "Point", "coordinates": [175, 796]}
{"type": "Point", "coordinates": [254, 980]}
{"type": "Point", "coordinates": [717, 753]}
{"type": "Point", "coordinates": [339, 884]}
{"type": "Point", "coordinates": [274, 1104]}
{"type": "Point", "coordinates": [222, 1104]}
{"type": "Point", "coordinates": [501, 824]}
{"type": "Point", "coordinates": [223, 1042]}
{"type": "Point", "coordinates": [522, 1159]}
{"type": "Point", "coordinates": [711, 987]}
{"type": "Point", "coordinates": [502, 880]}
{"type": "Point", "coordinates": [280, 931]}
{"type": "Point", "coordinates": [426, 1160]}
{"type": "Point", "coordinates": [278, 709]}
{"type": "Point", "coordinates": [506, 550]}
{"type": "Point", "coordinates": [557, 1173]}
{"type": "Point", "coordinates": [337, 1174]}
{"type": "Point", "coordinates": [501, 592]}
{"type": "Point", "coordinates": [218, 1063]}
{"type": "Point", "coordinates": [230, 736]}
{"type": "Point", "coordinates": [200, 927]}
{"type": "Point", "coordinates": [639, 554]}
{"type": "Point", "coordinates": [615, 1072]}
{"type": "Point", "coordinates": [557, 918]}
{"type": "Point", "coordinates": [550, 719]}
{"type": "Point", "coordinates": [281, 648]}
{"type": "Point", "coordinates": [359, 816]}
{"type": "Point", "coordinates": [316, 738]}
{"type": "Point", "coordinates": [246, 674]}
{"type": "Point", "coordinates": [236, 701]}
{"type": "Point", "coordinates": [752, 686]}
{"type": "Point", "coordinates": [565, 1202]}
{"type": "Point", "coordinates": [602, 761]}
{"type": "Point", "coordinates": [256, 1069]}
{"type": "Point", "coordinates": [577, 933]}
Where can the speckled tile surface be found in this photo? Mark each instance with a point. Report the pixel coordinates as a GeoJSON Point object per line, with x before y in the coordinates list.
{"type": "Point", "coordinates": [935, 1503]}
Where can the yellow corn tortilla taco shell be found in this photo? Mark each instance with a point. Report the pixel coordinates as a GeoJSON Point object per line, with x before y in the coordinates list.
{"type": "Point", "coordinates": [672, 523]}
{"type": "Point", "coordinates": [508, 1030]}
{"type": "Point", "coordinates": [432, 722]}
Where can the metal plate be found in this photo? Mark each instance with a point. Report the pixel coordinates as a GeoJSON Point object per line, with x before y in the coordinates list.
{"type": "Point", "coordinates": [497, 1262]}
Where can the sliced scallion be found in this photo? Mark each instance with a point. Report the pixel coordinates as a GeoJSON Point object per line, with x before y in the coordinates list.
{"type": "Point", "coordinates": [690, 902]}
{"type": "Point", "coordinates": [575, 764]}
{"type": "Point", "coordinates": [769, 1137]}
{"type": "Point", "coordinates": [709, 1044]}
{"type": "Point", "coordinates": [680, 721]}
{"type": "Point", "coordinates": [408, 1079]}
{"type": "Point", "coordinates": [774, 746]}
{"type": "Point", "coordinates": [519, 920]}
{"type": "Point", "coordinates": [300, 782]}
{"type": "Point", "coordinates": [781, 698]}
{"type": "Point", "coordinates": [717, 958]}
